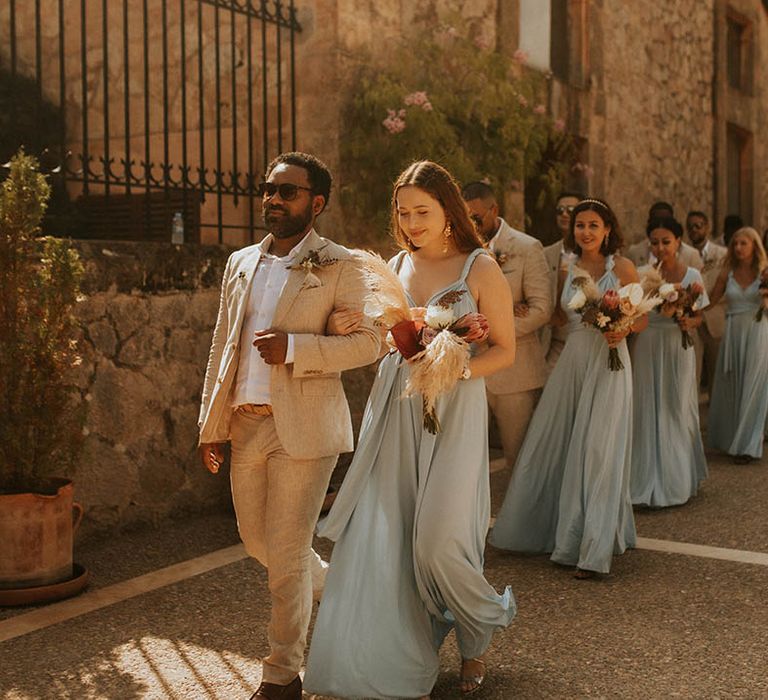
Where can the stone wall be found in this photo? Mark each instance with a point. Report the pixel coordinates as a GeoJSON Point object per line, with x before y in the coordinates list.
{"type": "Point", "coordinates": [650, 127]}
{"type": "Point", "coordinates": [146, 327]}
{"type": "Point", "coordinates": [146, 322]}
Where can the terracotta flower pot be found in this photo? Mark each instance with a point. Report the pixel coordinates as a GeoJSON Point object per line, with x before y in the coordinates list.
{"type": "Point", "coordinates": [36, 531]}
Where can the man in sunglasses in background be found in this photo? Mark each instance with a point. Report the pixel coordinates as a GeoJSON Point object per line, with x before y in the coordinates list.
{"type": "Point", "coordinates": [707, 340]}
{"type": "Point", "coordinates": [273, 387]}
{"type": "Point", "coordinates": [553, 339]}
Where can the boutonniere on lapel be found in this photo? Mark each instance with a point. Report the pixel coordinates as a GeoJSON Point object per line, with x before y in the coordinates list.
{"type": "Point", "coordinates": [241, 277]}
{"type": "Point", "coordinates": [309, 263]}
{"type": "Point", "coordinates": [502, 256]}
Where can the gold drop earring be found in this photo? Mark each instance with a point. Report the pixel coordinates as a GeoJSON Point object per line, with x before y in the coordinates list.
{"type": "Point", "coordinates": [446, 237]}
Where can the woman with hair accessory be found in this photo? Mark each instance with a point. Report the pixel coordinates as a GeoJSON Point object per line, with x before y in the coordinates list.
{"type": "Point", "coordinates": [668, 461]}
{"type": "Point", "coordinates": [569, 493]}
{"type": "Point", "coordinates": [411, 517]}
{"type": "Point", "coordinates": [739, 404]}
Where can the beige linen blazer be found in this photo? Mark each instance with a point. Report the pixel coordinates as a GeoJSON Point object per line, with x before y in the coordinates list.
{"type": "Point", "coordinates": [714, 319]}
{"type": "Point", "coordinates": [553, 254]}
{"type": "Point", "coordinates": [525, 269]}
{"type": "Point", "coordinates": [640, 252]}
{"type": "Point", "coordinates": [310, 409]}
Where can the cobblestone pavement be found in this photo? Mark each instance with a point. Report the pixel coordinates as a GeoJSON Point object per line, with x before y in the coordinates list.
{"type": "Point", "coordinates": [178, 611]}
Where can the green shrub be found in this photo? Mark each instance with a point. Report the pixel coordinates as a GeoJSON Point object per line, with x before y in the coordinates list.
{"type": "Point", "coordinates": [446, 97]}
{"type": "Point", "coordinates": [40, 430]}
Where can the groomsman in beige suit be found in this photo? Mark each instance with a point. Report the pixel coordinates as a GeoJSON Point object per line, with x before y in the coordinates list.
{"type": "Point", "coordinates": [553, 337]}
{"type": "Point", "coordinates": [640, 253]}
{"type": "Point", "coordinates": [713, 326]}
{"type": "Point", "coordinates": [273, 388]}
{"type": "Point", "coordinates": [513, 392]}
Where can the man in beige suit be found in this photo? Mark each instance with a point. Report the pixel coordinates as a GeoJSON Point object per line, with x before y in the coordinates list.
{"type": "Point", "coordinates": [513, 392]}
{"type": "Point", "coordinates": [273, 388]}
{"type": "Point", "coordinates": [640, 253]}
{"type": "Point", "coordinates": [553, 337]}
{"type": "Point", "coordinates": [713, 326]}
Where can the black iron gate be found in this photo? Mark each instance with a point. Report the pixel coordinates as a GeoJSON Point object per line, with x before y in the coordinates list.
{"type": "Point", "coordinates": [146, 107]}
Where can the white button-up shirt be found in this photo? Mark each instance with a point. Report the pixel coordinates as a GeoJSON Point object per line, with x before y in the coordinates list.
{"type": "Point", "coordinates": [252, 384]}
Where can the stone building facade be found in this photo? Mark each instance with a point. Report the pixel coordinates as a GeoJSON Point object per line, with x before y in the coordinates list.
{"type": "Point", "coordinates": [649, 88]}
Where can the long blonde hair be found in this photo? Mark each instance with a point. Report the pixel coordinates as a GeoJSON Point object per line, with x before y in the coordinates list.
{"type": "Point", "coordinates": [759, 256]}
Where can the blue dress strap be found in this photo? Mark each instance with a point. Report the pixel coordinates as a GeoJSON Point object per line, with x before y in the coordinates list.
{"type": "Point", "coordinates": [399, 260]}
{"type": "Point", "coordinates": [469, 261]}
{"type": "Point", "coordinates": [610, 263]}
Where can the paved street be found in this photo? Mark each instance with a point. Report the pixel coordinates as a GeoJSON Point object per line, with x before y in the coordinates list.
{"type": "Point", "coordinates": [178, 612]}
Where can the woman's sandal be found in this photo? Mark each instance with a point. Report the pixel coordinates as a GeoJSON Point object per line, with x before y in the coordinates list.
{"type": "Point", "coordinates": [583, 574]}
{"type": "Point", "coordinates": [470, 682]}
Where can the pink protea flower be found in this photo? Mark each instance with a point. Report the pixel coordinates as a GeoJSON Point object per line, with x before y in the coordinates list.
{"type": "Point", "coordinates": [472, 328]}
{"type": "Point", "coordinates": [611, 299]}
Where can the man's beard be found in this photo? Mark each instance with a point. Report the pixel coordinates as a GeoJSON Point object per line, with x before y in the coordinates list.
{"type": "Point", "coordinates": [286, 226]}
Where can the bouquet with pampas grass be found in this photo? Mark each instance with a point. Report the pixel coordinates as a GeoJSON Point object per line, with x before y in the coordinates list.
{"type": "Point", "coordinates": [609, 311]}
{"type": "Point", "coordinates": [432, 340]}
{"type": "Point", "coordinates": [677, 302]}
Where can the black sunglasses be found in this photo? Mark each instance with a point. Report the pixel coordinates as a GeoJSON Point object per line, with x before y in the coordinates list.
{"type": "Point", "coordinates": [566, 209]}
{"type": "Point", "coordinates": [287, 190]}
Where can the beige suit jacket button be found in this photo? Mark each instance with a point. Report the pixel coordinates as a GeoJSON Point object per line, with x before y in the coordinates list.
{"type": "Point", "coordinates": [221, 380]}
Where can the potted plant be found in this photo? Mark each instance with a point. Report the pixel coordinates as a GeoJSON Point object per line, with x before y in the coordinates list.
{"type": "Point", "coordinates": [40, 430]}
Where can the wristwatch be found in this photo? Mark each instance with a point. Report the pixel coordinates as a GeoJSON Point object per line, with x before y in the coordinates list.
{"type": "Point", "coordinates": [466, 373]}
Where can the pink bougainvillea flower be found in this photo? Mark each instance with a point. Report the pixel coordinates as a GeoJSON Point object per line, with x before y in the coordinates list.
{"type": "Point", "coordinates": [539, 109]}
{"type": "Point", "coordinates": [520, 56]}
{"type": "Point", "coordinates": [559, 125]}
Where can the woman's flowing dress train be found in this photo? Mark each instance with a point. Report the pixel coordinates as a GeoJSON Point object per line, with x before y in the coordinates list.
{"type": "Point", "coordinates": [668, 461]}
{"type": "Point", "coordinates": [569, 492]}
{"type": "Point", "coordinates": [409, 522]}
{"type": "Point", "coordinates": [737, 410]}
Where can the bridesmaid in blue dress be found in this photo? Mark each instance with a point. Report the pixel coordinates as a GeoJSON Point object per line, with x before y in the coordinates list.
{"type": "Point", "coordinates": [739, 405]}
{"type": "Point", "coordinates": [411, 517]}
{"type": "Point", "coordinates": [569, 492]}
{"type": "Point", "coordinates": [668, 461]}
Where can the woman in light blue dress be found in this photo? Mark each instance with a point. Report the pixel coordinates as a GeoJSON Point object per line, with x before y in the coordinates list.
{"type": "Point", "coordinates": [739, 404]}
{"type": "Point", "coordinates": [668, 461]}
{"type": "Point", "coordinates": [411, 517]}
{"type": "Point", "coordinates": [569, 492]}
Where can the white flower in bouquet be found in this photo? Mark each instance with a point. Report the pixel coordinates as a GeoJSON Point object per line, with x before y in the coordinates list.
{"type": "Point", "coordinates": [633, 292]}
{"type": "Point", "coordinates": [668, 292]}
{"type": "Point", "coordinates": [602, 320]}
{"type": "Point", "coordinates": [577, 300]}
{"type": "Point", "coordinates": [439, 316]}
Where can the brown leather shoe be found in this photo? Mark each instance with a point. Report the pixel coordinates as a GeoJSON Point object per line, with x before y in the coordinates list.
{"type": "Point", "coordinates": [272, 691]}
